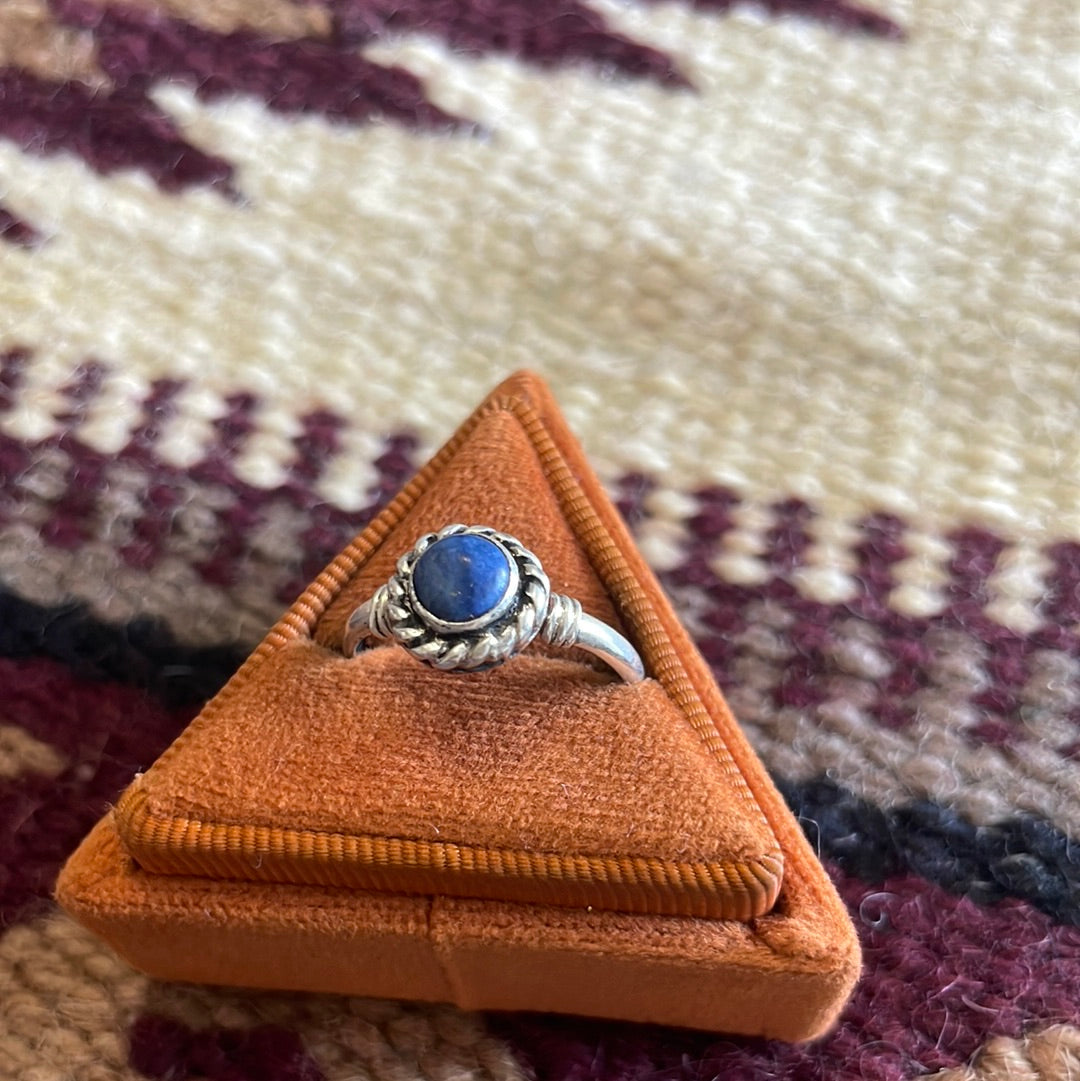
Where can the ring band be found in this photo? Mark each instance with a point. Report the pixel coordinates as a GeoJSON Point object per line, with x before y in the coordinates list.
{"type": "Point", "coordinates": [469, 598]}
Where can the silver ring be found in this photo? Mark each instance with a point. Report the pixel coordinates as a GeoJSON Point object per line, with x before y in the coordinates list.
{"type": "Point", "coordinates": [468, 598]}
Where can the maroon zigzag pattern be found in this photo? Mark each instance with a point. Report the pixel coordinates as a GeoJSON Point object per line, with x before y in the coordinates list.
{"type": "Point", "coordinates": [122, 129]}
{"type": "Point", "coordinates": [119, 126]}
{"type": "Point", "coordinates": [905, 639]}
{"type": "Point", "coordinates": [74, 513]}
{"type": "Point", "coordinates": [1007, 686]}
{"type": "Point", "coordinates": [545, 33]}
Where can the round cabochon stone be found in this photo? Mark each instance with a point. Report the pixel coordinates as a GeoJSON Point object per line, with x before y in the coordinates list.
{"type": "Point", "coordinates": [460, 578]}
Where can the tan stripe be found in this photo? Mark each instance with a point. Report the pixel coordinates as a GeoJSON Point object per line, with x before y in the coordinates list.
{"type": "Point", "coordinates": [68, 1002]}
{"type": "Point", "coordinates": [272, 18]}
{"type": "Point", "coordinates": [20, 753]}
{"type": "Point", "coordinates": [352, 1037]}
{"type": "Point", "coordinates": [198, 613]}
{"type": "Point", "coordinates": [931, 757]}
{"type": "Point", "coordinates": [1050, 1055]}
{"type": "Point", "coordinates": [1050, 697]}
{"type": "Point", "coordinates": [30, 38]}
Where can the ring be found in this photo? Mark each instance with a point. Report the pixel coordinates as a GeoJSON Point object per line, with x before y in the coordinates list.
{"type": "Point", "coordinates": [468, 598]}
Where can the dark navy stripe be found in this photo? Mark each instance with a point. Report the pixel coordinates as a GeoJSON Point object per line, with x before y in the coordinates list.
{"type": "Point", "coordinates": [143, 653]}
{"type": "Point", "coordinates": [1023, 857]}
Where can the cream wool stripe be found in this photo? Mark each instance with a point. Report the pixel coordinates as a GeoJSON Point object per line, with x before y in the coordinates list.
{"type": "Point", "coordinates": [921, 575]}
{"type": "Point", "coordinates": [841, 376]}
{"type": "Point", "coordinates": [739, 557]}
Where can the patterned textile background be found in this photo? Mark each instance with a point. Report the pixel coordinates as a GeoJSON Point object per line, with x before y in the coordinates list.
{"type": "Point", "coordinates": [806, 280]}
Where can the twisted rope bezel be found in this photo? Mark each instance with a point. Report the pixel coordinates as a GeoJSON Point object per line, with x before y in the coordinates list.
{"type": "Point", "coordinates": [483, 643]}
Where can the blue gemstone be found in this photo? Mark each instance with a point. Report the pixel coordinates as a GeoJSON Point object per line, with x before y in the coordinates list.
{"type": "Point", "coordinates": [462, 577]}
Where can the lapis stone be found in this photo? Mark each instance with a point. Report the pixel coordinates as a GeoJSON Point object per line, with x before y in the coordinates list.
{"type": "Point", "coordinates": [462, 577]}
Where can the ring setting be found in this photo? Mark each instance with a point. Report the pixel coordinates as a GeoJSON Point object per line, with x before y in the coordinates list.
{"type": "Point", "coordinates": [468, 598]}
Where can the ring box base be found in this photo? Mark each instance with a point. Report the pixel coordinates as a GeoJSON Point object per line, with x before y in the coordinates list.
{"type": "Point", "coordinates": [780, 978]}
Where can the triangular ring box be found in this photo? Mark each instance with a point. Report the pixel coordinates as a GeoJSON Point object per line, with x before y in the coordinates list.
{"type": "Point", "coordinates": [540, 836]}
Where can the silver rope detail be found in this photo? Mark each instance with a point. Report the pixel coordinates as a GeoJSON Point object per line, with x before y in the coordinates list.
{"type": "Point", "coordinates": [563, 621]}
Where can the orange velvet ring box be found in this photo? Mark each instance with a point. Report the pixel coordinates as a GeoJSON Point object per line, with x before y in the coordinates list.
{"type": "Point", "coordinates": [541, 836]}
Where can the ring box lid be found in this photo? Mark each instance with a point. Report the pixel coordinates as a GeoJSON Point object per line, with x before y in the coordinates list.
{"type": "Point", "coordinates": [546, 780]}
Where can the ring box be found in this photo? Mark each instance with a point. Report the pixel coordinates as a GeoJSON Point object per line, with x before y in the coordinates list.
{"type": "Point", "coordinates": [537, 837]}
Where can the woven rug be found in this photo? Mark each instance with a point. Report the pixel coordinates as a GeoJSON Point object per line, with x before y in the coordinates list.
{"type": "Point", "coordinates": [804, 276]}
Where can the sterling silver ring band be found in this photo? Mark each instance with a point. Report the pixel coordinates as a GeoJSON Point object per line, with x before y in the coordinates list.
{"type": "Point", "coordinates": [468, 598]}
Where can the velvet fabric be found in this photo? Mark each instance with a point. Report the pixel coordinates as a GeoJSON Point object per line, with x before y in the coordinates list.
{"type": "Point", "coordinates": [538, 837]}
